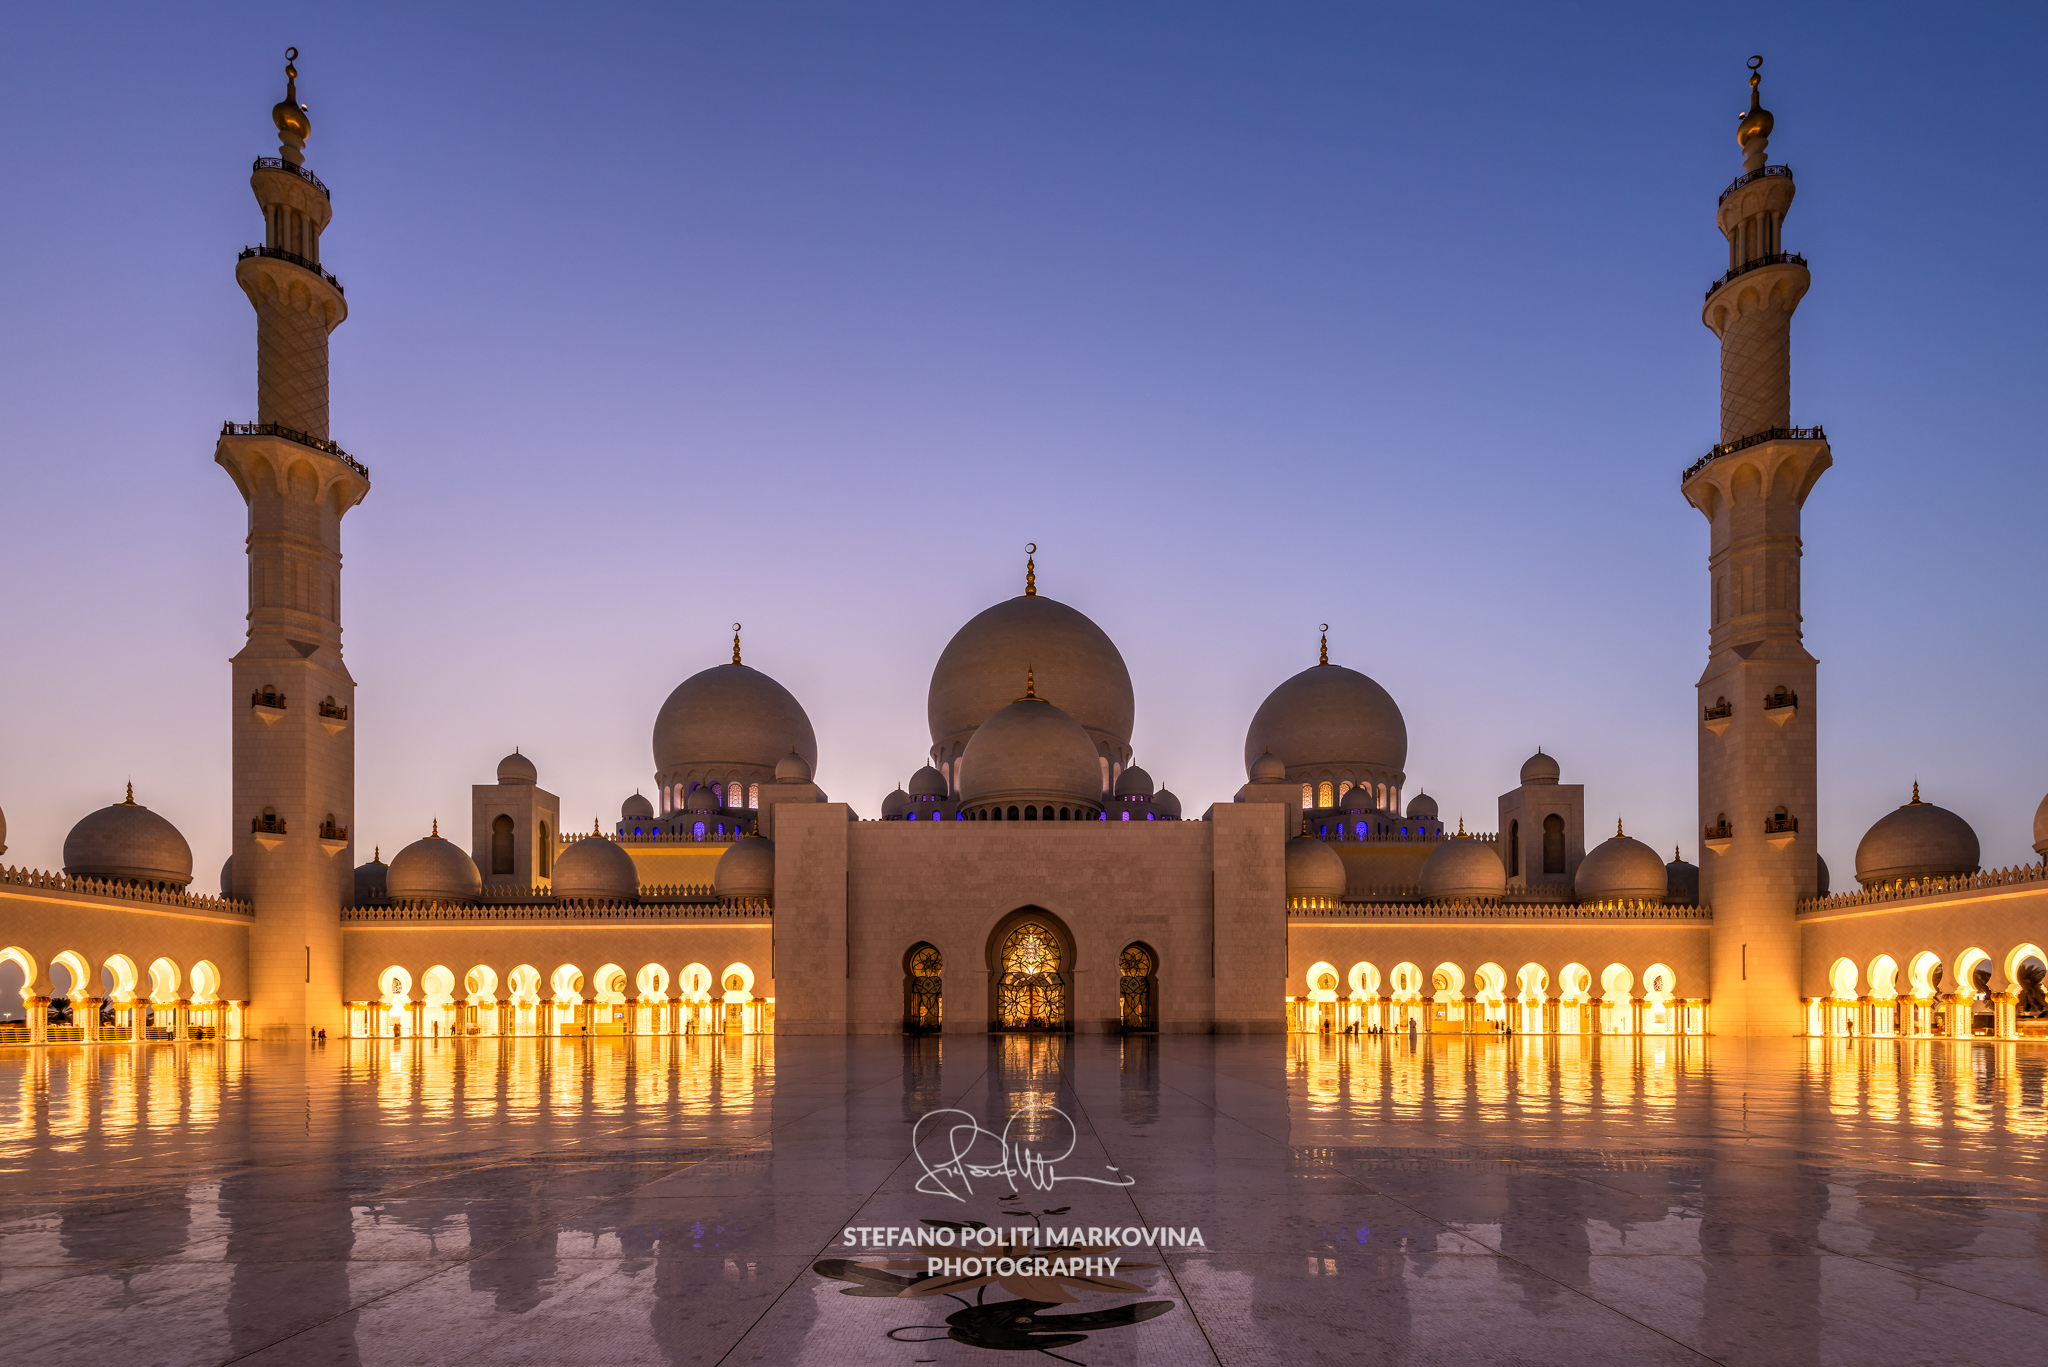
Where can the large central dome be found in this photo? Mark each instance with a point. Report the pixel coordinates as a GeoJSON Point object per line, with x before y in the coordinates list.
{"type": "Point", "coordinates": [1073, 659]}
{"type": "Point", "coordinates": [731, 715]}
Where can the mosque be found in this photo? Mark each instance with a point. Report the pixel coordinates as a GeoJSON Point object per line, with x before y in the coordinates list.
{"type": "Point", "coordinates": [1030, 875]}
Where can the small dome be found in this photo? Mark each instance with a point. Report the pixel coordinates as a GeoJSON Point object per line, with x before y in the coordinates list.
{"type": "Point", "coordinates": [517, 768]}
{"type": "Point", "coordinates": [1031, 751]}
{"type": "Point", "coordinates": [1918, 840]}
{"type": "Point", "coordinates": [792, 768]}
{"type": "Point", "coordinates": [1463, 867]}
{"type": "Point", "coordinates": [1357, 799]}
{"type": "Point", "coordinates": [1268, 768]}
{"type": "Point", "coordinates": [2040, 829]}
{"type": "Point", "coordinates": [1422, 807]}
{"type": "Point", "coordinates": [1682, 882]}
{"type": "Point", "coordinates": [746, 869]}
{"type": "Point", "coordinates": [370, 881]}
{"type": "Point", "coordinates": [1620, 867]}
{"type": "Point", "coordinates": [1822, 880]}
{"type": "Point", "coordinates": [3, 832]}
{"type": "Point", "coordinates": [895, 807]}
{"type": "Point", "coordinates": [1313, 869]}
{"type": "Point", "coordinates": [1540, 768]}
{"type": "Point", "coordinates": [1165, 805]}
{"type": "Point", "coordinates": [433, 870]}
{"type": "Point", "coordinates": [701, 799]}
{"type": "Point", "coordinates": [227, 876]}
{"type": "Point", "coordinates": [636, 808]}
{"type": "Point", "coordinates": [1329, 715]}
{"type": "Point", "coordinates": [928, 782]}
{"type": "Point", "coordinates": [595, 869]}
{"type": "Point", "coordinates": [1134, 782]}
{"type": "Point", "coordinates": [730, 715]}
{"type": "Point", "coordinates": [129, 842]}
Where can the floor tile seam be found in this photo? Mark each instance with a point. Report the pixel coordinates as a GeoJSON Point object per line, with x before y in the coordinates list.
{"type": "Point", "coordinates": [803, 1268]}
{"type": "Point", "coordinates": [1186, 1301]}
{"type": "Point", "coordinates": [1868, 1261]}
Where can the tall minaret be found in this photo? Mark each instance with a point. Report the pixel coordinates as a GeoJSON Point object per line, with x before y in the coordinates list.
{"type": "Point", "coordinates": [1757, 698]}
{"type": "Point", "coordinates": [292, 699]}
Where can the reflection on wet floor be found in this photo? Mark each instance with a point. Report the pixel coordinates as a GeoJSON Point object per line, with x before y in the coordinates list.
{"type": "Point", "coordinates": [663, 1199]}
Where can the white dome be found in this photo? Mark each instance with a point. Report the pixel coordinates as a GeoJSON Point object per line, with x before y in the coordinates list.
{"type": "Point", "coordinates": [1165, 805]}
{"type": "Point", "coordinates": [1918, 840]}
{"type": "Point", "coordinates": [1134, 782]}
{"type": "Point", "coordinates": [794, 768]}
{"type": "Point", "coordinates": [746, 869]}
{"type": "Point", "coordinates": [371, 881]}
{"type": "Point", "coordinates": [730, 715]}
{"type": "Point", "coordinates": [1268, 768]}
{"type": "Point", "coordinates": [1314, 869]}
{"type": "Point", "coordinates": [701, 799]}
{"type": "Point", "coordinates": [3, 832]}
{"type": "Point", "coordinates": [1032, 752]}
{"type": "Point", "coordinates": [1074, 660]}
{"type": "Point", "coordinates": [595, 869]}
{"type": "Point", "coordinates": [1422, 807]}
{"type": "Point", "coordinates": [1463, 867]}
{"type": "Point", "coordinates": [1329, 716]}
{"type": "Point", "coordinates": [2040, 829]}
{"type": "Point", "coordinates": [433, 870]}
{"type": "Point", "coordinates": [1621, 867]}
{"type": "Point", "coordinates": [894, 807]}
{"type": "Point", "coordinates": [1358, 798]}
{"type": "Point", "coordinates": [1540, 768]}
{"type": "Point", "coordinates": [636, 808]}
{"type": "Point", "coordinates": [517, 768]}
{"type": "Point", "coordinates": [129, 842]}
{"type": "Point", "coordinates": [1682, 882]}
{"type": "Point", "coordinates": [928, 782]}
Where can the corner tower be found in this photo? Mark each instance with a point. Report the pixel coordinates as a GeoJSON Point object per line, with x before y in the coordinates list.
{"type": "Point", "coordinates": [292, 700]}
{"type": "Point", "coordinates": [1757, 698]}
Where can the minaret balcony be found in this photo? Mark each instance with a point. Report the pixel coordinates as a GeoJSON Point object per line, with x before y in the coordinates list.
{"type": "Point", "coordinates": [268, 705]}
{"type": "Point", "coordinates": [1729, 448]}
{"type": "Point", "coordinates": [1719, 837]}
{"type": "Point", "coordinates": [280, 164]}
{"type": "Point", "coordinates": [1750, 178]}
{"type": "Point", "coordinates": [268, 829]}
{"type": "Point", "coordinates": [1781, 707]}
{"type": "Point", "coordinates": [280, 254]}
{"type": "Point", "coordinates": [1719, 717]}
{"type": "Point", "coordinates": [1774, 259]}
{"type": "Point", "coordinates": [273, 429]}
{"type": "Point", "coordinates": [333, 838]}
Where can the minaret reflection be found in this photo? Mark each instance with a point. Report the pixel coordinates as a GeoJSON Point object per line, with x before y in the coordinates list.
{"type": "Point", "coordinates": [1138, 1080]}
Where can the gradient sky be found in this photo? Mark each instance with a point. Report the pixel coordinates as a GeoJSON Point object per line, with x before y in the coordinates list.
{"type": "Point", "coordinates": [1252, 317]}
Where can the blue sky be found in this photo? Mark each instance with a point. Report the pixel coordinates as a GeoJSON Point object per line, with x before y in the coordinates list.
{"type": "Point", "coordinates": [810, 316]}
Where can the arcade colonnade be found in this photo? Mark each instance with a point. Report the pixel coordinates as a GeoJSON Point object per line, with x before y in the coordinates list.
{"type": "Point", "coordinates": [123, 1001]}
{"type": "Point", "coordinates": [1973, 993]}
{"type": "Point", "coordinates": [1491, 1000]}
{"type": "Point", "coordinates": [562, 1002]}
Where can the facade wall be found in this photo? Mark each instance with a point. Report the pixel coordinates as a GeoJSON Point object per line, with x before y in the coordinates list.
{"type": "Point", "coordinates": [46, 923]}
{"type": "Point", "coordinates": [1995, 920]}
{"type": "Point", "coordinates": [951, 883]}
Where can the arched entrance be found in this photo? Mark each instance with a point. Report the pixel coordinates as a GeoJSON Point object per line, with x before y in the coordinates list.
{"type": "Point", "coordinates": [1030, 977]}
{"type": "Point", "coordinates": [923, 989]}
{"type": "Point", "coordinates": [1139, 988]}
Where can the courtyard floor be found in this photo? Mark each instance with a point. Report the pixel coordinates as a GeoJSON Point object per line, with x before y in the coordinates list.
{"type": "Point", "coordinates": [625, 1201]}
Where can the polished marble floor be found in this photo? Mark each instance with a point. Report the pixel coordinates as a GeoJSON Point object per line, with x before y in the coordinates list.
{"type": "Point", "coordinates": [1360, 1201]}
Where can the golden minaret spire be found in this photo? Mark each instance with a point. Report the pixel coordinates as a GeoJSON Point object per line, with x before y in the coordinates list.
{"type": "Point", "coordinates": [1030, 569]}
{"type": "Point", "coordinates": [1753, 133]}
{"type": "Point", "coordinates": [292, 120]}
{"type": "Point", "coordinates": [735, 642]}
{"type": "Point", "coordinates": [1325, 659]}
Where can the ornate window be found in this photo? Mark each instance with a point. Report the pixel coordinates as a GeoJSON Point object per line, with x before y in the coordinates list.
{"type": "Point", "coordinates": [1137, 988]}
{"type": "Point", "coordinates": [1553, 844]}
{"type": "Point", "coordinates": [501, 844]}
{"type": "Point", "coordinates": [547, 851]}
{"type": "Point", "coordinates": [1032, 993]}
{"type": "Point", "coordinates": [1323, 794]}
{"type": "Point", "coordinates": [923, 995]}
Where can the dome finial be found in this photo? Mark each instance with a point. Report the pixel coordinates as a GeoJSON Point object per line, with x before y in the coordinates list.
{"type": "Point", "coordinates": [1030, 569]}
{"type": "Point", "coordinates": [1326, 645]}
{"type": "Point", "coordinates": [130, 802]}
{"type": "Point", "coordinates": [593, 825]}
{"type": "Point", "coordinates": [1461, 826]}
{"type": "Point", "coordinates": [293, 123]}
{"type": "Point", "coordinates": [1030, 686]}
{"type": "Point", "coordinates": [435, 834]}
{"type": "Point", "coordinates": [1914, 803]}
{"type": "Point", "coordinates": [376, 854]}
{"type": "Point", "coordinates": [1753, 133]}
{"type": "Point", "coordinates": [735, 642]}
{"type": "Point", "coordinates": [1617, 828]}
